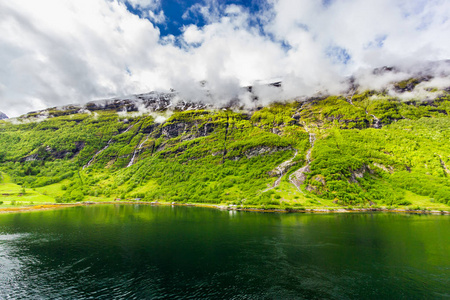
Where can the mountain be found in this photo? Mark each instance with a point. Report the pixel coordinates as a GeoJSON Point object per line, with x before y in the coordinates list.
{"type": "Point", "coordinates": [150, 102]}
{"type": "Point", "coordinates": [3, 116]}
{"type": "Point", "coordinates": [363, 149]}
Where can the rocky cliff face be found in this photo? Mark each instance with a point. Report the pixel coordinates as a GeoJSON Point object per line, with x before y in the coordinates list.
{"type": "Point", "coordinates": [173, 101]}
{"type": "Point", "coordinates": [144, 103]}
{"type": "Point", "coordinates": [150, 102]}
{"type": "Point", "coordinates": [362, 148]}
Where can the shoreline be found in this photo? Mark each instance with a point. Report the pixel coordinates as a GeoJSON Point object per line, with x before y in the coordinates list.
{"type": "Point", "coordinates": [53, 206]}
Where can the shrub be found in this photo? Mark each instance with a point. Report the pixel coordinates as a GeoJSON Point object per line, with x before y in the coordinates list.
{"type": "Point", "coordinates": [404, 202]}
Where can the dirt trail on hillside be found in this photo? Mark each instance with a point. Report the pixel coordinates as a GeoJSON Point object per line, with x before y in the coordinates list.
{"type": "Point", "coordinates": [282, 168]}
{"type": "Point", "coordinates": [298, 177]}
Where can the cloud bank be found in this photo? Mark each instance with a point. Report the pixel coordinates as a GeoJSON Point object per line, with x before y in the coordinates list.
{"type": "Point", "coordinates": [57, 52]}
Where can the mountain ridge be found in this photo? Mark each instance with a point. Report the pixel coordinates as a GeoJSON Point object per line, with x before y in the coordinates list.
{"type": "Point", "coordinates": [156, 101]}
{"type": "Point", "coordinates": [359, 149]}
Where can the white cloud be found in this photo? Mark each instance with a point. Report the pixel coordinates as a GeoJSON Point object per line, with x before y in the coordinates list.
{"type": "Point", "coordinates": [144, 4]}
{"type": "Point", "coordinates": [193, 35]}
{"type": "Point", "coordinates": [56, 52]}
{"type": "Point", "coordinates": [157, 18]}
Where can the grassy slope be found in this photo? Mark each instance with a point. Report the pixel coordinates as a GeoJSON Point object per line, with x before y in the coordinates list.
{"type": "Point", "coordinates": [12, 194]}
{"type": "Point", "coordinates": [230, 157]}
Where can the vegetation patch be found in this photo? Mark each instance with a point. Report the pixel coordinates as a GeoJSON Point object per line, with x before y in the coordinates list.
{"type": "Point", "coordinates": [362, 150]}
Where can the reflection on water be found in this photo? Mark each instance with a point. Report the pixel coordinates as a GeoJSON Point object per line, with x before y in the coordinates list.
{"type": "Point", "coordinates": [135, 252]}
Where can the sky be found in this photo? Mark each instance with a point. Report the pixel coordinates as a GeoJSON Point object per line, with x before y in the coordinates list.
{"type": "Point", "coordinates": [58, 52]}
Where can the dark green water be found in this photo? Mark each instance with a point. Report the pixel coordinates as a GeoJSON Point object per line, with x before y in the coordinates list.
{"type": "Point", "coordinates": [138, 252]}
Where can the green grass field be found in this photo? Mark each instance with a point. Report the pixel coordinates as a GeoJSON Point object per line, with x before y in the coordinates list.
{"type": "Point", "coordinates": [15, 195]}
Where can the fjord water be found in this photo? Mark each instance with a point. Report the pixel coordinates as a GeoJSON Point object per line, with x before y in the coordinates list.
{"type": "Point", "coordinates": [141, 252]}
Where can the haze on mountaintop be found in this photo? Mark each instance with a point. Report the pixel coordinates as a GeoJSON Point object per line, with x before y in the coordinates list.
{"type": "Point", "coordinates": [57, 52]}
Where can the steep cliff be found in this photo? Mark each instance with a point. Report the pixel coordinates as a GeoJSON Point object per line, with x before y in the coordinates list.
{"type": "Point", "coordinates": [360, 149]}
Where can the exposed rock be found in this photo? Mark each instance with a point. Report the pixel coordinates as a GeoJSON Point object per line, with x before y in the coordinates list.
{"type": "Point", "coordinates": [175, 129]}
{"type": "Point", "coordinates": [205, 129]}
{"type": "Point", "coordinates": [257, 151]}
{"type": "Point", "coordinates": [3, 116]}
{"type": "Point", "coordinates": [47, 152]}
{"type": "Point", "coordinates": [299, 176]}
{"type": "Point", "coordinates": [376, 122]}
{"type": "Point", "coordinates": [32, 157]}
{"type": "Point", "coordinates": [315, 187]}
{"type": "Point", "coordinates": [67, 154]}
{"type": "Point", "coordinates": [263, 150]}
{"type": "Point", "coordinates": [283, 167]}
{"type": "Point", "coordinates": [190, 130]}
{"type": "Point", "coordinates": [444, 167]}
{"type": "Point", "coordinates": [320, 178]}
{"type": "Point", "coordinates": [149, 102]}
{"type": "Point", "coordinates": [171, 151]}
{"type": "Point", "coordinates": [410, 84]}
{"type": "Point", "coordinates": [276, 131]}
{"type": "Point", "coordinates": [346, 124]}
{"type": "Point", "coordinates": [384, 70]}
{"type": "Point", "coordinates": [388, 169]}
{"type": "Point", "coordinates": [148, 129]}
{"type": "Point", "coordinates": [359, 173]}
{"type": "Point", "coordinates": [312, 189]}
{"type": "Point", "coordinates": [297, 117]}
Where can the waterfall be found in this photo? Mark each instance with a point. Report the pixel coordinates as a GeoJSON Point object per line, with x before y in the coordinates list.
{"type": "Point", "coordinates": [103, 149]}
{"type": "Point", "coordinates": [96, 154]}
{"type": "Point", "coordinates": [136, 151]}
{"type": "Point", "coordinates": [305, 168]}
{"type": "Point", "coordinates": [312, 139]}
{"type": "Point", "coordinates": [281, 169]}
{"type": "Point", "coordinates": [377, 123]}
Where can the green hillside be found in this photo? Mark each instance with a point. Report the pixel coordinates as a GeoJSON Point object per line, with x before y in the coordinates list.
{"type": "Point", "coordinates": [365, 150]}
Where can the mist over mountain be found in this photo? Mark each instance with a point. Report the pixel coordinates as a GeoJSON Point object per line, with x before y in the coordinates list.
{"type": "Point", "coordinates": [362, 148]}
{"type": "Point", "coordinates": [67, 52]}
{"type": "Point", "coordinates": [3, 116]}
{"type": "Point", "coordinates": [424, 81]}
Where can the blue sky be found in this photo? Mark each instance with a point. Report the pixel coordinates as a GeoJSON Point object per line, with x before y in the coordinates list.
{"type": "Point", "coordinates": [66, 51]}
{"type": "Point", "coordinates": [179, 14]}
{"type": "Point", "coordinates": [174, 10]}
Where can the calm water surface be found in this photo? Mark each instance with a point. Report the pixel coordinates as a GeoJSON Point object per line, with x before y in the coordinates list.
{"type": "Point", "coordinates": [138, 252]}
